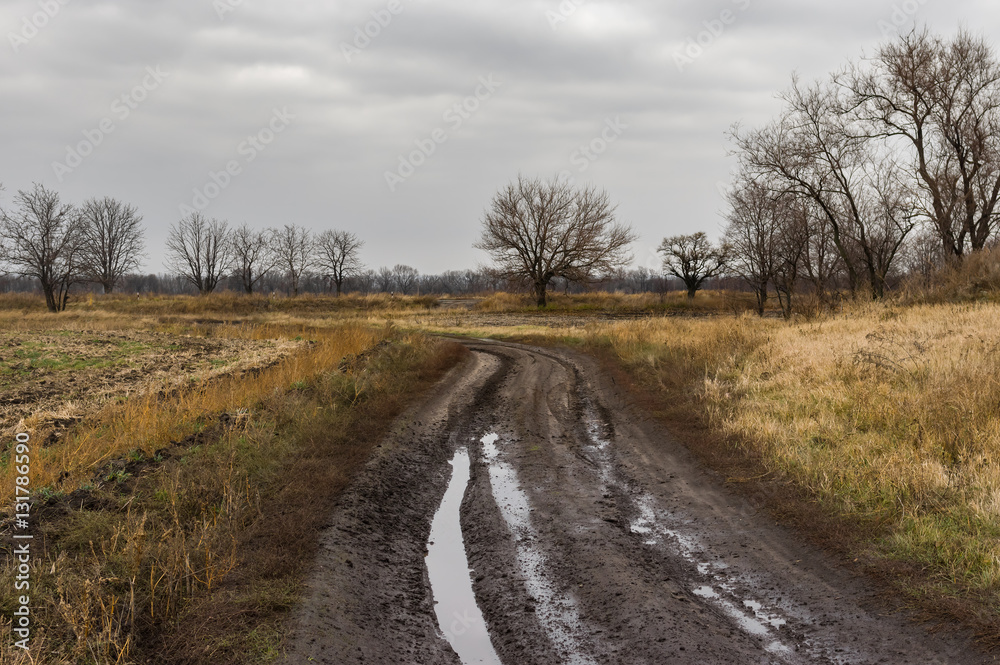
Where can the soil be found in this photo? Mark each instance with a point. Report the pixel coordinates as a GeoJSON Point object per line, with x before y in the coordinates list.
{"type": "Point", "coordinates": [51, 380]}
{"type": "Point", "coordinates": [626, 551]}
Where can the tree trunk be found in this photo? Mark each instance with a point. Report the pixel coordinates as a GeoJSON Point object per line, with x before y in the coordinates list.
{"type": "Point", "coordinates": [540, 293]}
{"type": "Point", "coordinates": [691, 291]}
{"type": "Point", "coordinates": [108, 287]}
{"type": "Point", "coordinates": [50, 298]}
{"type": "Point", "coordinates": [786, 303]}
{"type": "Point", "coordinates": [761, 293]}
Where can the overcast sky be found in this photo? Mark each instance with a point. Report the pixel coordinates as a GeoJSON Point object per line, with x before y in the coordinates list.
{"type": "Point", "coordinates": [399, 119]}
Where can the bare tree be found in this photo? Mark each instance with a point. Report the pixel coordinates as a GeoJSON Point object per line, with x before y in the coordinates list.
{"type": "Point", "coordinates": [363, 281]}
{"type": "Point", "coordinates": [198, 248]}
{"type": "Point", "coordinates": [821, 263]}
{"type": "Point", "coordinates": [817, 151]}
{"type": "Point", "coordinates": [924, 256]}
{"type": "Point", "coordinates": [941, 100]}
{"type": "Point", "coordinates": [41, 238]}
{"type": "Point", "coordinates": [112, 236]}
{"type": "Point", "coordinates": [385, 279]}
{"type": "Point", "coordinates": [405, 278]}
{"type": "Point", "coordinates": [536, 231]}
{"type": "Point", "coordinates": [252, 256]}
{"type": "Point", "coordinates": [643, 278]}
{"type": "Point", "coordinates": [757, 220]}
{"type": "Point", "coordinates": [791, 250]}
{"type": "Point", "coordinates": [692, 259]}
{"type": "Point", "coordinates": [337, 254]}
{"type": "Point", "coordinates": [293, 247]}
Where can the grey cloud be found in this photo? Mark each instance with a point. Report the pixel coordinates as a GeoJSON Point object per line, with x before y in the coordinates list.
{"type": "Point", "coordinates": [354, 119]}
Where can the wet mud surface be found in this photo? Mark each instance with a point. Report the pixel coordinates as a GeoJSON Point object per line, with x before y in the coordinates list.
{"type": "Point", "coordinates": [592, 537]}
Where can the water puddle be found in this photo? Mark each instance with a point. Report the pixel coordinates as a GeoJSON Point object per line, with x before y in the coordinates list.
{"type": "Point", "coordinates": [458, 615]}
{"type": "Point", "coordinates": [663, 529]}
{"type": "Point", "coordinates": [557, 613]}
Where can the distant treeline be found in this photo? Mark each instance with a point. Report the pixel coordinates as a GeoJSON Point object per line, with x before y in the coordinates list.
{"type": "Point", "coordinates": [398, 280]}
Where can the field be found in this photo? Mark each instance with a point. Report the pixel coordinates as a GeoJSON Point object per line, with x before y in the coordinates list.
{"type": "Point", "coordinates": [176, 440]}
{"type": "Point", "coordinates": [163, 454]}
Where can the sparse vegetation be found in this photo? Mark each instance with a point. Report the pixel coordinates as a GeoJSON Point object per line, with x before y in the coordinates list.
{"type": "Point", "coordinates": [884, 416]}
{"type": "Point", "coordinates": [159, 514]}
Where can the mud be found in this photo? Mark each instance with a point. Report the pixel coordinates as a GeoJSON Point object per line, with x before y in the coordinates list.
{"type": "Point", "coordinates": [593, 537]}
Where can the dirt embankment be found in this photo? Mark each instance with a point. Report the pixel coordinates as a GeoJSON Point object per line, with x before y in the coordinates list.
{"type": "Point", "coordinates": [594, 537]}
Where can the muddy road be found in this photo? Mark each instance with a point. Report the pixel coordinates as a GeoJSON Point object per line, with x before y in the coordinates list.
{"type": "Point", "coordinates": [591, 535]}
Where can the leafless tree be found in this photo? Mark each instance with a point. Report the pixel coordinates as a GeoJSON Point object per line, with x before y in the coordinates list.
{"type": "Point", "coordinates": [252, 258]}
{"type": "Point", "coordinates": [940, 100]}
{"type": "Point", "coordinates": [42, 238]}
{"type": "Point", "coordinates": [293, 247]}
{"type": "Point", "coordinates": [924, 256]}
{"type": "Point", "coordinates": [112, 236]}
{"type": "Point", "coordinates": [692, 259]}
{"type": "Point", "coordinates": [821, 263]}
{"type": "Point", "coordinates": [385, 279]}
{"type": "Point", "coordinates": [791, 251]}
{"type": "Point", "coordinates": [536, 231]}
{"type": "Point", "coordinates": [198, 248]}
{"type": "Point", "coordinates": [363, 281]}
{"type": "Point", "coordinates": [643, 278]}
{"type": "Point", "coordinates": [817, 151]}
{"type": "Point", "coordinates": [405, 278]}
{"type": "Point", "coordinates": [758, 219]}
{"type": "Point", "coordinates": [337, 254]}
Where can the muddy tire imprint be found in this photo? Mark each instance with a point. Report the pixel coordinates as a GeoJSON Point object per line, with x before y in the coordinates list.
{"type": "Point", "coordinates": [592, 537]}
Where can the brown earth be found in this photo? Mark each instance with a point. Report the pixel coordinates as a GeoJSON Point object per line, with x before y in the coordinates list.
{"type": "Point", "coordinates": [51, 380]}
{"type": "Point", "coordinates": [627, 550]}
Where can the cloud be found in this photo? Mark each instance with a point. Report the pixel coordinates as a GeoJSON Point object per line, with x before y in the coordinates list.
{"type": "Point", "coordinates": [562, 80]}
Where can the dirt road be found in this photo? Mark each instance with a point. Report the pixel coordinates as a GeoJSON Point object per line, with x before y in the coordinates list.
{"type": "Point", "coordinates": [592, 535]}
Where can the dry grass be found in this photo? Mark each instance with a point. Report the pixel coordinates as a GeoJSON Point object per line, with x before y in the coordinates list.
{"type": "Point", "coordinates": [220, 304]}
{"type": "Point", "coordinates": [148, 421]}
{"type": "Point", "coordinates": [195, 509]}
{"type": "Point", "coordinates": [975, 278]}
{"type": "Point", "coordinates": [671, 302]}
{"type": "Point", "coordinates": [888, 416]}
{"type": "Point", "coordinates": [883, 416]}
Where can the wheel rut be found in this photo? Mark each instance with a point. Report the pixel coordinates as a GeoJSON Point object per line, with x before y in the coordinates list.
{"type": "Point", "coordinates": [592, 537]}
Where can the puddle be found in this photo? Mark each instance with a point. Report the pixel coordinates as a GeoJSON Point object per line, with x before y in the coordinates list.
{"type": "Point", "coordinates": [757, 608]}
{"type": "Point", "coordinates": [664, 529]}
{"type": "Point", "coordinates": [556, 612]}
{"type": "Point", "coordinates": [754, 625]}
{"type": "Point", "coordinates": [458, 615]}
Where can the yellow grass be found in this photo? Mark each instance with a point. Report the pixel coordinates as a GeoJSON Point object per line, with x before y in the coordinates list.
{"type": "Point", "coordinates": [886, 413]}
{"type": "Point", "coordinates": [150, 421]}
{"type": "Point", "coordinates": [669, 301]}
{"type": "Point", "coordinates": [108, 575]}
